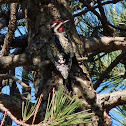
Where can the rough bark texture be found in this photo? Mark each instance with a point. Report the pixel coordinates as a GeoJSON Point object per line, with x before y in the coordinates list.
{"type": "Point", "coordinates": [39, 17]}
{"type": "Point", "coordinates": [11, 29]}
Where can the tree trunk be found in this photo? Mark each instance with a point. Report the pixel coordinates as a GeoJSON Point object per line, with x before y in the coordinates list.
{"type": "Point", "coordinates": [39, 15]}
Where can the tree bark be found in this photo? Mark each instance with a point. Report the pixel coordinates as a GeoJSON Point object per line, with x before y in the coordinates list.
{"type": "Point", "coordinates": [39, 17]}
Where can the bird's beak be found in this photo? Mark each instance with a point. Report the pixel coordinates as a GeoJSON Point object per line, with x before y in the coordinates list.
{"type": "Point", "coordinates": [53, 25]}
{"type": "Point", "coordinates": [65, 22]}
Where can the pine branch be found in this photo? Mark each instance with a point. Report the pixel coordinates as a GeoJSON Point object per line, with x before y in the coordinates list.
{"type": "Point", "coordinates": [111, 66]}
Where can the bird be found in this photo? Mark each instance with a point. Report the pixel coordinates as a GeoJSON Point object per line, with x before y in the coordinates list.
{"type": "Point", "coordinates": [60, 51]}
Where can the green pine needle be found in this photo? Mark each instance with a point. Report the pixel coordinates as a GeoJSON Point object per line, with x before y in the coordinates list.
{"type": "Point", "coordinates": [61, 110]}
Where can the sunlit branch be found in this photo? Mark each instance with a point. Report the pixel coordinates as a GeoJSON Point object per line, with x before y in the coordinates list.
{"type": "Point", "coordinates": [12, 61]}
{"type": "Point", "coordinates": [37, 108]}
{"type": "Point", "coordinates": [109, 43]}
{"type": "Point", "coordinates": [90, 44]}
{"type": "Point", "coordinates": [111, 100]}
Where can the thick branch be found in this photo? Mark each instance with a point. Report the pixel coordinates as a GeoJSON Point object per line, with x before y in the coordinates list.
{"type": "Point", "coordinates": [104, 43]}
{"type": "Point", "coordinates": [89, 44]}
{"type": "Point", "coordinates": [12, 61]}
{"type": "Point", "coordinates": [112, 100]}
{"type": "Point", "coordinates": [11, 30]}
{"type": "Point", "coordinates": [24, 59]}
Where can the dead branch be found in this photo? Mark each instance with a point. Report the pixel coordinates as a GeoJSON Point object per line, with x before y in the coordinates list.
{"type": "Point", "coordinates": [37, 108]}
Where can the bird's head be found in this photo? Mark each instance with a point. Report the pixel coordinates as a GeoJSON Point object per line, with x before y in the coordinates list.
{"type": "Point", "coordinates": [58, 25]}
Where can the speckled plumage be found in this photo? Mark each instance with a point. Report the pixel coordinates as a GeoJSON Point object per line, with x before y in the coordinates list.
{"type": "Point", "coordinates": [60, 51]}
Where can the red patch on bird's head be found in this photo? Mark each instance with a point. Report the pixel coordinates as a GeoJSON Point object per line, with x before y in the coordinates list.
{"type": "Point", "coordinates": [59, 29]}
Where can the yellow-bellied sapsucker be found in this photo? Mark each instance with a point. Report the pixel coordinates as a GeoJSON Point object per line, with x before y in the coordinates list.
{"type": "Point", "coordinates": [60, 50]}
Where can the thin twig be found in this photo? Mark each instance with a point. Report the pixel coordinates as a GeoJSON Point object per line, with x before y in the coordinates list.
{"type": "Point", "coordinates": [19, 31]}
{"type": "Point", "coordinates": [37, 108]}
{"type": "Point", "coordinates": [92, 10]}
{"type": "Point", "coordinates": [3, 118]}
{"type": "Point", "coordinates": [19, 122]}
{"type": "Point", "coordinates": [87, 9]}
{"type": "Point", "coordinates": [111, 66]}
